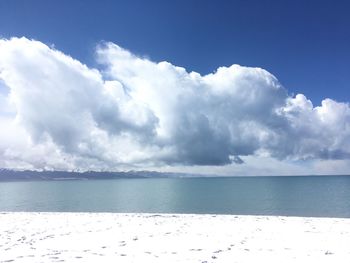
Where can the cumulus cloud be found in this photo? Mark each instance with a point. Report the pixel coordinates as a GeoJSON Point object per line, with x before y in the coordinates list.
{"type": "Point", "coordinates": [131, 111]}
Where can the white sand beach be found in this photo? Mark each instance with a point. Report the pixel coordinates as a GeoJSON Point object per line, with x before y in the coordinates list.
{"type": "Point", "coordinates": [113, 237]}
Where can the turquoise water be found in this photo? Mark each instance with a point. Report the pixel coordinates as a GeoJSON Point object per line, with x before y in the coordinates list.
{"type": "Point", "coordinates": [326, 196]}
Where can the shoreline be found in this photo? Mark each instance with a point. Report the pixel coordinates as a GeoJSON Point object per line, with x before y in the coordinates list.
{"type": "Point", "coordinates": [148, 237]}
{"type": "Point", "coordinates": [165, 214]}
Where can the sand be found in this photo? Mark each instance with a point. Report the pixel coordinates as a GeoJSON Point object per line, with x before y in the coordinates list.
{"type": "Point", "coordinates": [113, 237]}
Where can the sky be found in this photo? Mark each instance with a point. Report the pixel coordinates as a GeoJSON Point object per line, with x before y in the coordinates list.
{"type": "Point", "coordinates": [224, 87]}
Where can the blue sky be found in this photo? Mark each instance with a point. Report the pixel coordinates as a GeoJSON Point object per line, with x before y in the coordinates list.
{"type": "Point", "coordinates": [305, 44]}
{"type": "Point", "coordinates": [108, 85]}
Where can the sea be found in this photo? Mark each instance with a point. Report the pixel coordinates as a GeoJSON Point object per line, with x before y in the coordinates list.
{"type": "Point", "coordinates": [312, 196]}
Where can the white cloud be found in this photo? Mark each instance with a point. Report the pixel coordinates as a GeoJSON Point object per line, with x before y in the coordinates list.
{"type": "Point", "coordinates": [137, 113]}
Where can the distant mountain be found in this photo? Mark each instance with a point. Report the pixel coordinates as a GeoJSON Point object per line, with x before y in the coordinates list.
{"type": "Point", "coordinates": [27, 175]}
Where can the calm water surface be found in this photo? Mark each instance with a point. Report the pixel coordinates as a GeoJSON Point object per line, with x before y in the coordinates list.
{"type": "Point", "coordinates": [327, 196]}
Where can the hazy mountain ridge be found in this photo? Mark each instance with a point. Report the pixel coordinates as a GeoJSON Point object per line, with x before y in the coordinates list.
{"type": "Point", "coordinates": [27, 175]}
